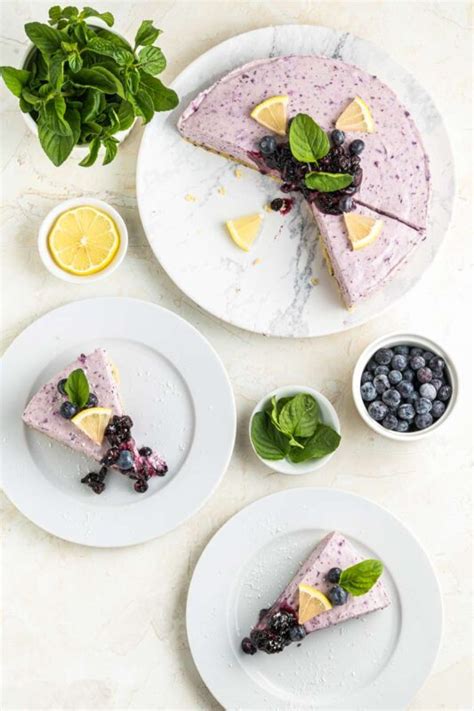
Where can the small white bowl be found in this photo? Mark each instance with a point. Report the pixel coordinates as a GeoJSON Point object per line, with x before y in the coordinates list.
{"type": "Point", "coordinates": [48, 222]}
{"type": "Point", "coordinates": [403, 339]}
{"type": "Point", "coordinates": [328, 417]}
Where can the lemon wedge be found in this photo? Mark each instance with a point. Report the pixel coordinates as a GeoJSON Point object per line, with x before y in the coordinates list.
{"type": "Point", "coordinates": [93, 422]}
{"type": "Point", "coordinates": [362, 230]}
{"type": "Point", "coordinates": [244, 230]}
{"type": "Point", "coordinates": [311, 603]}
{"type": "Point", "coordinates": [271, 113]}
{"type": "Point", "coordinates": [356, 117]}
{"type": "Point", "coordinates": [83, 240]}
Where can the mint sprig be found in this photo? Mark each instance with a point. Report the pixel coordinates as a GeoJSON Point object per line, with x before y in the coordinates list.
{"type": "Point", "coordinates": [361, 577]}
{"type": "Point", "coordinates": [77, 388]}
{"type": "Point", "coordinates": [308, 141]}
{"type": "Point", "coordinates": [327, 182]}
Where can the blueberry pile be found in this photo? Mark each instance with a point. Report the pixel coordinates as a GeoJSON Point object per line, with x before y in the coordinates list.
{"type": "Point", "coordinates": [340, 159]}
{"type": "Point", "coordinates": [68, 410]}
{"type": "Point", "coordinates": [282, 629]}
{"type": "Point", "coordinates": [405, 388]}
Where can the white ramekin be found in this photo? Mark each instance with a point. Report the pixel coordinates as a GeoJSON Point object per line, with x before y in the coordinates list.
{"type": "Point", "coordinates": [328, 417]}
{"type": "Point", "coordinates": [48, 222]}
{"type": "Point", "coordinates": [403, 339]}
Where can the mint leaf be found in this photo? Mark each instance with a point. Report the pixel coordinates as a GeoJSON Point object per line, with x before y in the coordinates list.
{"type": "Point", "coordinates": [324, 441]}
{"type": "Point", "coordinates": [299, 416]}
{"type": "Point", "coordinates": [109, 49]}
{"type": "Point", "coordinates": [91, 105]}
{"type": "Point", "coordinates": [15, 79]}
{"type": "Point", "coordinates": [361, 577]}
{"type": "Point", "coordinates": [164, 99]}
{"type": "Point", "coordinates": [106, 17]}
{"type": "Point", "coordinates": [327, 182]}
{"type": "Point", "coordinates": [111, 147]}
{"type": "Point", "coordinates": [77, 388]}
{"type": "Point", "coordinates": [46, 38]}
{"type": "Point", "coordinates": [126, 115]}
{"type": "Point", "coordinates": [146, 34]}
{"type": "Point", "coordinates": [91, 157]}
{"type": "Point", "coordinates": [98, 78]}
{"type": "Point", "coordinates": [144, 104]}
{"type": "Point", "coordinates": [152, 60]}
{"type": "Point", "coordinates": [308, 142]}
{"type": "Point", "coordinates": [269, 443]}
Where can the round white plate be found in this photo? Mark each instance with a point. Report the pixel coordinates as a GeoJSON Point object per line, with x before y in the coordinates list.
{"type": "Point", "coordinates": [173, 386]}
{"type": "Point", "coordinates": [376, 662]}
{"type": "Point", "coordinates": [272, 289]}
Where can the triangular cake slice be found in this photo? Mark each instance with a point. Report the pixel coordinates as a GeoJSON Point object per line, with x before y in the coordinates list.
{"type": "Point", "coordinates": [272, 633]}
{"type": "Point", "coordinates": [43, 414]}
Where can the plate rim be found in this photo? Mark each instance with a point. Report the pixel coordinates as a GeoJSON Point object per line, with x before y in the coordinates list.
{"type": "Point", "coordinates": [302, 491]}
{"type": "Point", "coordinates": [193, 508]}
{"type": "Point", "coordinates": [181, 285]}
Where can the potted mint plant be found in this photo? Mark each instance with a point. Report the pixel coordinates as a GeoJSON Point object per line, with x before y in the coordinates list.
{"type": "Point", "coordinates": [85, 85]}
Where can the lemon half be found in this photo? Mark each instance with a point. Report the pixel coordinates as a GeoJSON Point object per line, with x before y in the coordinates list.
{"type": "Point", "coordinates": [362, 230]}
{"type": "Point", "coordinates": [93, 422]}
{"type": "Point", "coordinates": [271, 113]}
{"type": "Point", "coordinates": [83, 240]}
{"type": "Point", "coordinates": [311, 603]}
{"type": "Point", "coordinates": [244, 230]}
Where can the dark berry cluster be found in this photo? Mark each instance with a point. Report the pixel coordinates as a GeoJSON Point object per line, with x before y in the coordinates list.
{"type": "Point", "coordinates": [96, 481]}
{"type": "Point", "coordinates": [118, 430]}
{"type": "Point", "coordinates": [405, 388]}
{"type": "Point", "coordinates": [68, 410]}
{"type": "Point", "coordinates": [281, 630]}
{"type": "Point", "coordinates": [340, 159]}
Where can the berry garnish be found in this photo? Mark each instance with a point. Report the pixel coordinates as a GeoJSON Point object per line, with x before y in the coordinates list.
{"type": "Point", "coordinates": [267, 145]}
{"type": "Point", "coordinates": [61, 385]}
{"type": "Point", "coordinates": [140, 486]}
{"type": "Point", "coordinates": [145, 451]}
{"type": "Point", "coordinates": [334, 575]}
{"type": "Point", "coordinates": [276, 204]}
{"type": "Point", "coordinates": [248, 646]}
{"type": "Point", "coordinates": [125, 460]}
{"type": "Point", "coordinates": [356, 147]}
{"type": "Point", "coordinates": [337, 595]}
{"type": "Point", "coordinates": [338, 137]}
{"type": "Point", "coordinates": [92, 401]}
{"type": "Point", "coordinates": [68, 410]}
{"type": "Point", "coordinates": [297, 633]}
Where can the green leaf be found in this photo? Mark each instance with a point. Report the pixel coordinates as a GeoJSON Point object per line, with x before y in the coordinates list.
{"type": "Point", "coordinates": [45, 38]}
{"type": "Point", "coordinates": [56, 147]}
{"type": "Point", "coordinates": [25, 106]}
{"type": "Point", "coordinates": [126, 115]}
{"type": "Point", "coordinates": [54, 14]}
{"type": "Point", "coordinates": [91, 105]}
{"type": "Point", "coordinates": [70, 12]}
{"type": "Point", "coordinates": [107, 48]}
{"type": "Point", "coordinates": [15, 79]}
{"type": "Point", "coordinates": [111, 148]}
{"type": "Point", "coordinates": [300, 416]}
{"type": "Point", "coordinates": [31, 98]}
{"type": "Point", "coordinates": [269, 443]}
{"type": "Point", "coordinates": [75, 62]}
{"type": "Point", "coordinates": [56, 69]}
{"type": "Point", "coordinates": [76, 388]}
{"type": "Point", "coordinates": [98, 78]}
{"type": "Point", "coordinates": [144, 104]}
{"type": "Point", "coordinates": [91, 157]}
{"type": "Point", "coordinates": [152, 60]}
{"type": "Point", "coordinates": [114, 121]}
{"type": "Point", "coordinates": [112, 37]}
{"type": "Point", "coordinates": [327, 182]}
{"type": "Point", "coordinates": [164, 99]}
{"type": "Point", "coordinates": [361, 577]}
{"type": "Point", "coordinates": [308, 142]}
{"type": "Point", "coordinates": [146, 34]}
{"type": "Point", "coordinates": [324, 441]}
{"type": "Point", "coordinates": [53, 115]}
{"type": "Point", "coordinates": [132, 80]}
{"type": "Point", "coordinates": [107, 17]}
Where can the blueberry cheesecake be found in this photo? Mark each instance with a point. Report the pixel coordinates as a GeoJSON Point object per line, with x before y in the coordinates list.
{"type": "Point", "coordinates": [340, 138]}
{"type": "Point", "coordinates": [334, 584]}
{"type": "Point", "coordinates": [81, 408]}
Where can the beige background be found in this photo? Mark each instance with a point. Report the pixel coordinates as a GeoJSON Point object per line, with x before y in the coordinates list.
{"type": "Point", "coordinates": [98, 629]}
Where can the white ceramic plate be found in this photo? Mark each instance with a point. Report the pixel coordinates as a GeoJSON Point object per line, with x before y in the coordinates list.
{"type": "Point", "coordinates": [269, 290]}
{"type": "Point", "coordinates": [376, 662]}
{"type": "Point", "coordinates": [173, 386]}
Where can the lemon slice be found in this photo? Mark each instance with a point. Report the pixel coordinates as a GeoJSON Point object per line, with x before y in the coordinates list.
{"type": "Point", "coordinates": [356, 117]}
{"type": "Point", "coordinates": [311, 603]}
{"type": "Point", "coordinates": [362, 230]}
{"type": "Point", "coordinates": [271, 113]}
{"type": "Point", "coordinates": [93, 422]}
{"type": "Point", "coordinates": [83, 240]}
{"type": "Point", "coordinates": [244, 230]}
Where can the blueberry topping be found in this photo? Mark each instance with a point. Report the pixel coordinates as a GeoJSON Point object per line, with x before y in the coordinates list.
{"type": "Point", "coordinates": [111, 456]}
{"type": "Point", "coordinates": [68, 410]}
{"type": "Point", "coordinates": [92, 401]}
{"type": "Point", "coordinates": [346, 203]}
{"type": "Point", "coordinates": [377, 410]}
{"type": "Point", "coordinates": [248, 646]}
{"type": "Point", "coordinates": [423, 406]}
{"type": "Point", "coordinates": [424, 375]}
{"type": "Point", "coordinates": [444, 393]}
{"type": "Point", "coordinates": [428, 390]}
{"type": "Point", "coordinates": [262, 613]}
{"type": "Point", "coordinates": [356, 147]}
{"type": "Point", "coordinates": [61, 385]}
{"type": "Point", "coordinates": [406, 412]}
{"type": "Point", "coordinates": [438, 409]}
{"type": "Point", "coordinates": [334, 575]}
{"type": "Point", "coordinates": [368, 392]}
{"type": "Point", "coordinates": [268, 145]}
{"type": "Point", "coordinates": [338, 137]}
{"type": "Point", "coordinates": [140, 486]}
{"type": "Point", "coordinates": [95, 481]}
{"type": "Point", "coordinates": [125, 460]}
{"type": "Point", "coordinates": [276, 204]}
{"type": "Point", "coordinates": [118, 430]}
{"type": "Point", "coordinates": [337, 595]}
{"type": "Point", "coordinates": [145, 452]}
{"type": "Point", "coordinates": [399, 361]}
{"type": "Point", "coordinates": [297, 633]}
{"type": "Point", "coordinates": [381, 383]}
{"type": "Point", "coordinates": [391, 397]}
{"type": "Point", "coordinates": [423, 421]}
{"type": "Point", "coordinates": [384, 356]}
{"type": "Point", "coordinates": [395, 377]}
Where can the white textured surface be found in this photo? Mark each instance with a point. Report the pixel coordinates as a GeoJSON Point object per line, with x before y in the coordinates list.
{"type": "Point", "coordinates": [95, 629]}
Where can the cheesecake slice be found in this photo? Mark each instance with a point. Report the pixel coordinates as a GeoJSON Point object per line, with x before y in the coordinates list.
{"type": "Point", "coordinates": [43, 413]}
{"type": "Point", "coordinates": [279, 626]}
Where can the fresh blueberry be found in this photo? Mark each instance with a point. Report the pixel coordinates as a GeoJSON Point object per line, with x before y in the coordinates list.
{"type": "Point", "coordinates": [334, 575]}
{"type": "Point", "coordinates": [424, 375]}
{"type": "Point", "coordinates": [384, 356]}
{"type": "Point", "coordinates": [428, 355]}
{"type": "Point", "coordinates": [268, 145]}
{"type": "Point", "coordinates": [276, 204]}
{"type": "Point", "coordinates": [402, 426]}
{"type": "Point", "coordinates": [391, 397]}
{"type": "Point", "coordinates": [356, 147]}
{"type": "Point", "coordinates": [409, 375]}
{"type": "Point", "coordinates": [377, 410]}
{"type": "Point", "coordinates": [423, 406]}
{"type": "Point", "coordinates": [144, 451]}
{"type": "Point", "coordinates": [337, 595]}
{"type": "Point", "coordinates": [390, 422]}
{"type": "Point", "coordinates": [444, 393]}
{"type": "Point", "coordinates": [381, 383]}
{"type": "Point", "coordinates": [68, 410]}
{"type": "Point", "coordinates": [371, 365]}
{"type": "Point", "coordinates": [413, 397]}
{"type": "Point", "coordinates": [92, 401]}
{"type": "Point", "coordinates": [338, 137]}
{"type": "Point", "coordinates": [366, 377]}
{"type": "Point", "coordinates": [399, 361]}
{"type": "Point", "coordinates": [140, 486]}
{"type": "Point", "coordinates": [406, 412]}
{"type": "Point", "coordinates": [423, 421]}
{"type": "Point", "coordinates": [428, 390]}
{"type": "Point", "coordinates": [402, 350]}
{"type": "Point", "coordinates": [368, 392]}
{"type": "Point", "coordinates": [395, 377]}
{"type": "Point", "coordinates": [405, 388]}
{"type": "Point", "coordinates": [61, 385]}
{"type": "Point", "coordinates": [297, 633]}
{"type": "Point", "coordinates": [248, 646]}
{"type": "Point", "coordinates": [125, 460]}
{"type": "Point", "coordinates": [436, 363]}
{"type": "Point", "coordinates": [417, 362]}
{"type": "Point", "coordinates": [416, 352]}
{"type": "Point", "coordinates": [438, 409]}
{"type": "Point", "coordinates": [382, 370]}
{"type": "Point", "coordinates": [346, 203]}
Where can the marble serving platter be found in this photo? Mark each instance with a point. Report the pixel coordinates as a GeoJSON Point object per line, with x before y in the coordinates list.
{"type": "Point", "coordinates": [185, 195]}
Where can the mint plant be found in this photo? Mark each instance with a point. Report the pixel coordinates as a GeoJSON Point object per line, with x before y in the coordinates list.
{"type": "Point", "coordinates": [82, 84]}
